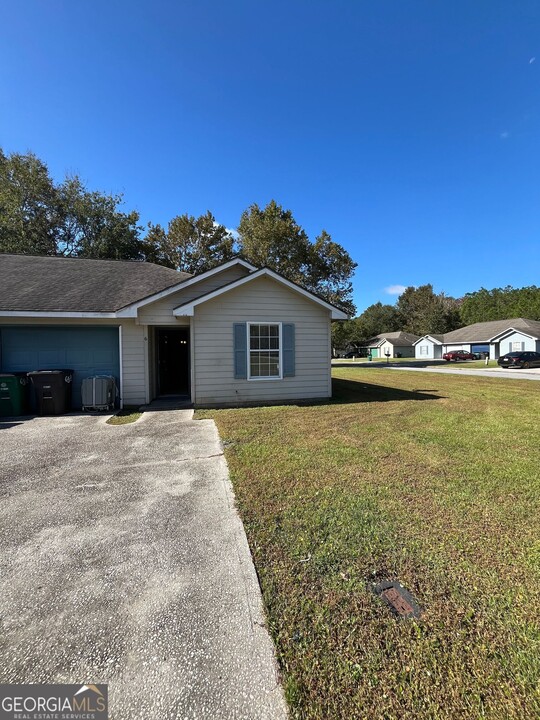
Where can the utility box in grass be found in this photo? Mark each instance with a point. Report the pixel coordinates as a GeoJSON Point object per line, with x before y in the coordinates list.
{"type": "Point", "coordinates": [98, 392]}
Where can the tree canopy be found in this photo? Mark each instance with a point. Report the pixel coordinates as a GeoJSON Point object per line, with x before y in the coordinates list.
{"type": "Point", "coordinates": [271, 237]}
{"type": "Point", "coordinates": [500, 304]}
{"type": "Point", "coordinates": [190, 244]}
{"type": "Point", "coordinates": [40, 217]}
{"type": "Point", "coordinates": [423, 311]}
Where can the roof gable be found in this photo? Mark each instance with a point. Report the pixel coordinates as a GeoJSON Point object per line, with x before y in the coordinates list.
{"type": "Point", "coordinates": [437, 339]}
{"type": "Point", "coordinates": [187, 309]}
{"type": "Point", "coordinates": [192, 282]}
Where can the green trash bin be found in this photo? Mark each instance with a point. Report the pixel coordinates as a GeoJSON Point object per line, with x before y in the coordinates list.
{"type": "Point", "coordinates": [14, 394]}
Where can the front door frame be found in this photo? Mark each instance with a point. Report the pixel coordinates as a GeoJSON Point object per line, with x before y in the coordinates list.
{"type": "Point", "coordinates": [157, 329]}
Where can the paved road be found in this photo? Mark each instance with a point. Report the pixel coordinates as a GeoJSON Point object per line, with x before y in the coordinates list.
{"type": "Point", "coordinates": [444, 368]}
{"type": "Point", "coordinates": [122, 560]}
{"type": "Point", "coordinates": [533, 374]}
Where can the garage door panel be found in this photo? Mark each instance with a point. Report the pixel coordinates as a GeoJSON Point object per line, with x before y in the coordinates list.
{"type": "Point", "coordinates": [88, 351]}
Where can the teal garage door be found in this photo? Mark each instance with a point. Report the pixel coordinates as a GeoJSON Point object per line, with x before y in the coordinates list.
{"type": "Point", "coordinates": [86, 350]}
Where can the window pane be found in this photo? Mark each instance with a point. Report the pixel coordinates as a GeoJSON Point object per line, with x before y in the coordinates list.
{"type": "Point", "coordinates": [264, 350]}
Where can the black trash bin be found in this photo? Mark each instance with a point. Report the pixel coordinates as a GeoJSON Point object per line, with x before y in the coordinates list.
{"type": "Point", "coordinates": [52, 390]}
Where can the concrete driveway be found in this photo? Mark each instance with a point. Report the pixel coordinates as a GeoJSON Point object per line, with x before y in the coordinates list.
{"type": "Point", "coordinates": [123, 561]}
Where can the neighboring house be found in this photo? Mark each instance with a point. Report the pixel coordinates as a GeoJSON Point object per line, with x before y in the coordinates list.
{"type": "Point", "coordinates": [235, 334]}
{"type": "Point", "coordinates": [396, 344]}
{"type": "Point", "coordinates": [496, 337]}
{"type": "Point", "coordinates": [429, 347]}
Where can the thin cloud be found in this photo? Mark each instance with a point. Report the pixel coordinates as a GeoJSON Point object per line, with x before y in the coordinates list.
{"type": "Point", "coordinates": [231, 231]}
{"type": "Point", "coordinates": [395, 289]}
{"type": "Point", "coordinates": [532, 60]}
{"type": "Point", "coordinates": [504, 135]}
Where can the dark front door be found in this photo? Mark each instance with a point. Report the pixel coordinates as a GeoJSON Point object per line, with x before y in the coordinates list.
{"type": "Point", "coordinates": [173, 361]}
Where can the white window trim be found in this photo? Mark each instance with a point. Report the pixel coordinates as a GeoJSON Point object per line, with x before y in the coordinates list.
{"type": "Point", "coordinates": [257, 378]}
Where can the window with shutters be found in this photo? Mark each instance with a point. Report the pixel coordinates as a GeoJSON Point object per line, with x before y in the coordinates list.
{"type": "Point", "coordinates": [516, 345]}
{"type": "Point", "coordinates": [264, 351]}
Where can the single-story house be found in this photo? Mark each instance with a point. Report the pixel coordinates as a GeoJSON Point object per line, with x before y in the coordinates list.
{"type": "Point", "coordinates": [235, 334]}
{"type": "Point", "coordinates": [496, 337]}
{"type": "Point", "coordinates": [395, 344]}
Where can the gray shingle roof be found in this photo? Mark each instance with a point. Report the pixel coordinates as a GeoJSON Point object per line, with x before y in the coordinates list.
{"type": "Point", "coordinates": [399, 339]}
{"type": "Point", "coordinates": [482, 332]}
{"type": "Point", "coordinates": [56, 284]}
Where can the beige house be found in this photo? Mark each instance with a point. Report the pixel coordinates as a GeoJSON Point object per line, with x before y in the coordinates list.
{"type": "Point", "coordinates": [390, 344]}
{"type": "Point", "coordinates": [235, 334]}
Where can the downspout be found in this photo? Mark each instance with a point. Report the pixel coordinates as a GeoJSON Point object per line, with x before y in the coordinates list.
{"type": "Point", "coordinates": [121, 359]}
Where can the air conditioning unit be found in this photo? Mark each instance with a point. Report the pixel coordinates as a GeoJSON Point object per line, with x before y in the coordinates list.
{"type": "Point", "coordinates": [98, 392]}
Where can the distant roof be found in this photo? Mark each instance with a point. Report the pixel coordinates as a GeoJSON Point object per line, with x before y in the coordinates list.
{"type": "Point", "coordinates": [58, 284]}
{"type": "Point", "coordinates": [399, 339]}
{"type": "Point", "coordinates": [482, 332]}
{"type": "Point", "coordinates": [438, 338]}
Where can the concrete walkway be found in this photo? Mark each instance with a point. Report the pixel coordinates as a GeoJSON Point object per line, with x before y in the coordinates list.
{"type": "Point", "coordinates": [123, 561]}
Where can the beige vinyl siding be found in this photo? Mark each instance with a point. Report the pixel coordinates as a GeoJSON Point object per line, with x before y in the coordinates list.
{"type": "Point", "coordinates": [161, 311]}
{"type": "Point", "coordinates": [263, 300]}
{"type": "Point", "coordinates": [134, 365]}
{"type": "Point", "coordinates": [133, 349]}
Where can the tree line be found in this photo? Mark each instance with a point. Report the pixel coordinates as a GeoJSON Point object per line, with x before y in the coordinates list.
{"type": "Point", "coordinates": [44, 217]}
{"type": "Point", "coordinates": [419, 310]}
{"type": "Point", "coordinates": [40, 216]}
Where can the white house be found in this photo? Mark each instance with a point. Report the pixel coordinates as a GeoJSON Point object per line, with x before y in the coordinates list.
{"type": "Point", "coordinates": [395, 344]}
{"type": "Point", "coordinates": [235, 334]}
{"type": "Point", "coordinates": [496, 337]}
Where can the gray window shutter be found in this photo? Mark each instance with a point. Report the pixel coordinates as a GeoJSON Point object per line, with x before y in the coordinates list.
{"type": "Point", "coordinates": [240, 351]}
{"type": "Point", "coordinates": [522, 346]}
{"type": "Point", "coordinates": [509, 347]}
{"type": "Point", "coordinates": [287, 338]}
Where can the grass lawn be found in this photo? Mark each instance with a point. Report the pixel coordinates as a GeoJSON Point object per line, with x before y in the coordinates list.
{"type": "Point", "coordinates": [432, 480]}
{"type": "Point", "coordinates": [471, 365]}
{"type": "Point", "coordinates": [124, 417]}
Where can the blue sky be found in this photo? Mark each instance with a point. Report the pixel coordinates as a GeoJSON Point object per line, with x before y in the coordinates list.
{"type": "Point", "coordinates": [410, 131]}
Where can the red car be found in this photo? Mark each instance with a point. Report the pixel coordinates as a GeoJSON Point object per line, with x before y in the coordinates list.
{"type": "Point", "coordinates": [456, 355]}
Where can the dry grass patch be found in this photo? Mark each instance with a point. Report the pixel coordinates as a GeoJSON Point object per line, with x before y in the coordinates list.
{"type": "Point", "coordinates": [430, 479]}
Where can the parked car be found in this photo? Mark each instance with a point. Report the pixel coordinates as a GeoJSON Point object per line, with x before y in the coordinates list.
{"type": "Point", "coordinates": [456, 355]}
{"type": "Point", "coordinates": [520, 360]}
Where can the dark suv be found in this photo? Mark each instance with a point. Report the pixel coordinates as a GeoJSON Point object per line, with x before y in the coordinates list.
{"type": "Point", "coordinates": [523, 360]}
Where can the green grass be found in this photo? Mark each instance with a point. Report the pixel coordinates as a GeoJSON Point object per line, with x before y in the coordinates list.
{"type": "Point", "coordinates": [124, 417]}
{"type": "Point", "coordinates": [471, 364]}
{"type": "Point", "coordinates": [432, 480]}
